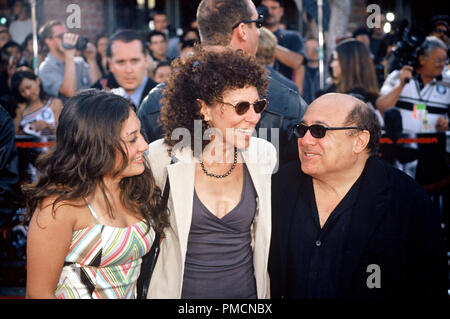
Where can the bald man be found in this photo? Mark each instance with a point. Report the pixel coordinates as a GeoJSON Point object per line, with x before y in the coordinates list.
{"type": "Point", "coordinates": [345, 223]}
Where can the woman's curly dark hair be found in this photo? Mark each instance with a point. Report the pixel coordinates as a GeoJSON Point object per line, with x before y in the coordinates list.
{"type": "Point", "coordinates": [206, 75]}
{"type": "Point", "coordinates": [87, 141]}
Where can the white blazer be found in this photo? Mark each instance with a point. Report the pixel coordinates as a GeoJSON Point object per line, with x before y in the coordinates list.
{"type": "Point", "coordinates": [167, 278]}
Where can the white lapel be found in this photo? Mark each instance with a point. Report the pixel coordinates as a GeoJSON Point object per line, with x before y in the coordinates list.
{"type": "Point", "coordinates": [254, 169]}
{"type": "Point", "coordinates": [181, 177]}
{"type": "Point", "coordinates": [260, 164]}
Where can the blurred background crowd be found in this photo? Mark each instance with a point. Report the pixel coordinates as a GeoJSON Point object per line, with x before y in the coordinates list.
{"type": "Point", "coordinates": [365, 52]}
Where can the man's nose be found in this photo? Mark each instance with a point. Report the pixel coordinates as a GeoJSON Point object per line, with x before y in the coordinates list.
{"type": "Point", "coordinates": [128, 67]}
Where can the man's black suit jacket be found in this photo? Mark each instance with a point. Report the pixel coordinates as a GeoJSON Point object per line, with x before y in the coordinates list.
{"type": "Point", "coordinates": [393, 224]}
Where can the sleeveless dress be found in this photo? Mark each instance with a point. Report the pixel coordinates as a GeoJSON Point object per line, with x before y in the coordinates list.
{"type": "Point", "coordinates": [104, 262]}
{"type": "Point", "coordinates": [45, 114]}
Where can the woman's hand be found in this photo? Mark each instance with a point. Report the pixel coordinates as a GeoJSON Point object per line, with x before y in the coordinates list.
{"type": "Point", "coordinates": [40, 125]}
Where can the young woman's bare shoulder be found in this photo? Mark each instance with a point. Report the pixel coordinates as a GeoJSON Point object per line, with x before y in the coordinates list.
{"type": "Point", "coordinates": [62, 213]}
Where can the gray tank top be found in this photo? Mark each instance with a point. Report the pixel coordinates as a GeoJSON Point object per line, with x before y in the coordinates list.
{"type": "Point", "coordinates": [219, 258]}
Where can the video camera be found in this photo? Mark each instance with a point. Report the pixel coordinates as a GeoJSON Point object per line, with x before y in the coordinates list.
{"type": "Point", "coordinates": [262, 10]}
{"type": "Point", "coordinates": [80, 45]}
{"type": "Point", "coordinates": [406, 52]}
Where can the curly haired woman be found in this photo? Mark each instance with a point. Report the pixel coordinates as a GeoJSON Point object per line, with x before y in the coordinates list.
{"type": "Point", "coordinates": [219, 175]}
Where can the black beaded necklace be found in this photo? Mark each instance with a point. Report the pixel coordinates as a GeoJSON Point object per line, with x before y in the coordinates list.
{"type": "Point", "coordinates": [223, 175]}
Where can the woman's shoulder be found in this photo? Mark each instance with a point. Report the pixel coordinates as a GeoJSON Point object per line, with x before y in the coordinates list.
{"type": "Point", "coordinates": [262, 145]}
{"type": "Point", "coordinates": [158, 158]}
{"type": "Point", "coordinates": [20, 110]}
{"type": "Point", "coordinates": [56, 102]}
{"type": "Point", "coordinates": [263, 153]}
{"type": "Point", "coordinates": [51, 211]}
{"type": "Point", "coordinates": [21, 107]}
{"type": "Point", "coordinates": [158, 149]}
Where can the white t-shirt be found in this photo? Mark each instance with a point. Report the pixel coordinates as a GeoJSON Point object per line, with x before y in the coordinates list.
{"type": "Point", "coordinates": [434, 95]}
{"type": "Point", "coordinates": [20, 29]}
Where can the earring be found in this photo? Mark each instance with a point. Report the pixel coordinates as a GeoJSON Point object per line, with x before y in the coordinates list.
{"type": "Point", "coordinates": [207, 130]}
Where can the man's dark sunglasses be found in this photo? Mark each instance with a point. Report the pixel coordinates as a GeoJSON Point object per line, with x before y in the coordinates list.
{"type": "Point", "coordinates": [317, 130]}
{"type": "Point", "coordinates": [258, 22]}
{"type": "Point", "coordinates": [242, 107]}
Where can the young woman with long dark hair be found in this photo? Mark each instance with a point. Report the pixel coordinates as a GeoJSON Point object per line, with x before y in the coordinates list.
{"type": "Point", "coordinates": [37, 114]}
{"type": "Point", "coordinates": [95, 208]}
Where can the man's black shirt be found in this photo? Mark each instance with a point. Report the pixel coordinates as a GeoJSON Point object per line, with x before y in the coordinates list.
{"type": "Point", "coordinates": [319, 249]}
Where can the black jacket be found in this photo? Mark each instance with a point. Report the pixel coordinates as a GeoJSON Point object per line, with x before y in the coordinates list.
{"type": "Point", "coordinates": [281, 78]}
{"type": "Point", "coordinates": [148, 87]}
{"type": "Point", "coordinates": [9, 169]}
{"type": "Point", "coordinates": [284, 110]}
{"type": "Point", "coordinates": [393, 225]}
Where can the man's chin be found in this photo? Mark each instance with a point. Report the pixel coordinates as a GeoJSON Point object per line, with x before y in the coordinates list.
{"type": "Point", "coordinates": [129, 89]}
{"type": "Point", "coordinates": [270, 23]}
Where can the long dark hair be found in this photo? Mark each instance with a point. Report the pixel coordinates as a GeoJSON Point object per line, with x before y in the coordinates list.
{"type": "Point", "coordinates": [87, 141]}
{"type": "Point", "coordinates": [17, 79]}
{"type": "Point", "coordinates": [357, 68]}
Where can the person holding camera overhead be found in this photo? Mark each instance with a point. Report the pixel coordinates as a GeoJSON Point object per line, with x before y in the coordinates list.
{"type": "Point", "coordinates": [62, 73]}
{"type": "Point", "coordinates": [417, 92]}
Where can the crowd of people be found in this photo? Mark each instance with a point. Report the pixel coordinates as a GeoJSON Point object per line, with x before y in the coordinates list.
{"type": "Point", "coordinates": [212, 165]}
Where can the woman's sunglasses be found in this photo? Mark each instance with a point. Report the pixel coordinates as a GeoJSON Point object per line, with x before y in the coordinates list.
{"type": "Point", "coordinates": [317, 130]}
{"type": "Point", "coordinates": [242, 107]}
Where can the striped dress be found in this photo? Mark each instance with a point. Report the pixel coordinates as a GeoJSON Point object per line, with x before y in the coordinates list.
{"type": "Point", "coordinates": [104, 262]}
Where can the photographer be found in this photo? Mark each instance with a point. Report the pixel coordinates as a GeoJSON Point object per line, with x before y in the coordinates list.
{"type": "Point", "coordinates": [62, 73]}
{"type": "Point", "coordinates": [412, 89]}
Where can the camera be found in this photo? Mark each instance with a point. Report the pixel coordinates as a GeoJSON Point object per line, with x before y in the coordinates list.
{"type": "Point", "coordinates": [262, 10]}
{"type": "Point", "coordinates": [80, 45]}
{"type": "Point", "coordinates": [406, 52]}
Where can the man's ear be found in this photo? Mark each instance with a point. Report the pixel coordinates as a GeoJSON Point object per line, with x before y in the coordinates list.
{"type": "Point", "coordinates": [241, 31]}
{"type": "Point", "coordinates": [361, 141]}
{"type": "Point", "coordinates": [421, 59]}
{"type": "Point", "coordinates": [47, 40]}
